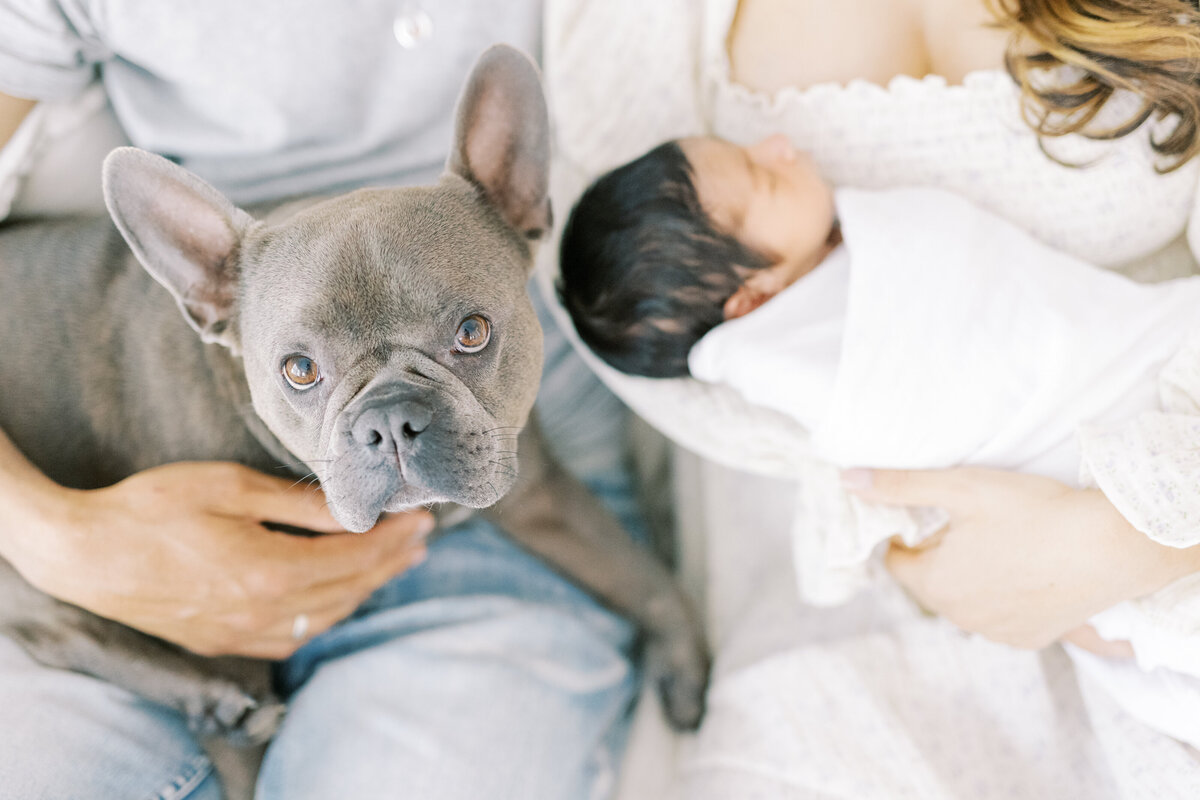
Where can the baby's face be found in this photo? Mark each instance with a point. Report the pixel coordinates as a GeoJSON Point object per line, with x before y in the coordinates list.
{"type": "Point", "coordinates": [768, 196]}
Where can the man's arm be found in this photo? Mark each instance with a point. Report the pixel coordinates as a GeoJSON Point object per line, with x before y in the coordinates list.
{"type": "Point", "coordinates": [181, 552]}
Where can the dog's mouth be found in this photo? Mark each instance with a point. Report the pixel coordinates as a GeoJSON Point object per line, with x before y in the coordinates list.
{"type": "Point", "coordinates": [472, 468]}
{"type": "Point", "coordinates": [359, 498]}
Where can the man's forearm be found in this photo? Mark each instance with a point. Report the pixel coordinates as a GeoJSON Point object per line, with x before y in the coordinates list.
{"type": "Point", "coordinates": [29, 503]}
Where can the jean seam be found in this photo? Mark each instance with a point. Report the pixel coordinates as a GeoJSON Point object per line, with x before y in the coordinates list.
{"type": "Point", "coordinates": [194, 772]}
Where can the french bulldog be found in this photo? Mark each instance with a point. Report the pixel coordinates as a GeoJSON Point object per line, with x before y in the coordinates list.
{"type": "Point", "coordinates": [382, 340]}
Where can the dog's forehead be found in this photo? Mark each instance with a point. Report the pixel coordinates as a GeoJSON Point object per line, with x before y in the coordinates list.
{"type": "Point", "coordinates": [374, 255]}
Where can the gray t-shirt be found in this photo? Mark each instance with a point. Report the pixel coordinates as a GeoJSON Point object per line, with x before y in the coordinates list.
{"type": "Point", "coordinates": [270, 98]}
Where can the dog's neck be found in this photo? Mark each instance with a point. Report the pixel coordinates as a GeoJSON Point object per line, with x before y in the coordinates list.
{"type": "Point", "coordinates": [229, 375]}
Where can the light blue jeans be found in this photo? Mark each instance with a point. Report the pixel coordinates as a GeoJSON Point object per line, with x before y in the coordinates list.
{"type": "Point", "coordinates": [479, 675]}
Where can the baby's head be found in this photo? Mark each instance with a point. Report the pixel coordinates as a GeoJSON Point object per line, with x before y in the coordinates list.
{"type": "Point", "coordinates": [661, 250]}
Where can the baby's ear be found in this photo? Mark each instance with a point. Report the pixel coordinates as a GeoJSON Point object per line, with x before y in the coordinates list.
{"type": "Point", "coordinates": [742, 302]}
{"type": "Point", "coordinates": [760, 287]}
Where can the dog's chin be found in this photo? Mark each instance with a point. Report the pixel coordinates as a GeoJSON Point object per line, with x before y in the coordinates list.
{"type": "Point", "coordinates": [355, 519]}
{"type": "Point", "coordinates": [410, 497]}
{"type": "Point", "coordinates": [362, 515]}
{"type": "Point", "coordinates": [358, 503]}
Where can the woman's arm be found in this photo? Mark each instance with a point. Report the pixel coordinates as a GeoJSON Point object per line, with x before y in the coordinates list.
{"type": "Point", "coordinates": [1025, 560]}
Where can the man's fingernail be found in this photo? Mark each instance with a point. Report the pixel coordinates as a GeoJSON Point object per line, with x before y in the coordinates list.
{"type": "Point", "coordinates": [426, 525]}
{"type": "Point", "coordinates": [854, 479]}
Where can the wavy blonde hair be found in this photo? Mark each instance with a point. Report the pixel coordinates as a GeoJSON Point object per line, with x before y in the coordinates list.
{"type": "Point", "coordinates": [1150, 47]}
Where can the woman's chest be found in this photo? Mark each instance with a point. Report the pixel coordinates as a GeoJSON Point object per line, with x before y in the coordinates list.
{"type": "Point", "coordinates": [777, 43]}
{"type": "Point", "coordinates": [1101, 201]}
{"type": "Point", "coordinates": [965, 134]}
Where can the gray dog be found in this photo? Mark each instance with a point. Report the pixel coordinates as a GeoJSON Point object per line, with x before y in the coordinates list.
{"type": "Point", "coordinates": [383, 340]}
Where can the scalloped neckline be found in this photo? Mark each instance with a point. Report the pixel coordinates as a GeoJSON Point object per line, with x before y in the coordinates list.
{"type": "Point", "coordinates": [986, 78]}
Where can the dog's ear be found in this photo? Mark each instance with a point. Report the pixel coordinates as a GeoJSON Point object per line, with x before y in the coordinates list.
{"type": "Point", "coordinates": [502, 138]}
{"type": "Point", "coordinates": [186, 234]}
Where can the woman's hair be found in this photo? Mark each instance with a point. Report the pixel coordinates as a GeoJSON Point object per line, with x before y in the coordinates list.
{"type": "Point", "coordinates": [1150, 47]}
{"type": "Point", "coordinates": [644, 273]}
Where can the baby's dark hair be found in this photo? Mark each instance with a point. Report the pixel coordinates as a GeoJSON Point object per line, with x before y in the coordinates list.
{"type": "Point", "coordinates": [645, 273]}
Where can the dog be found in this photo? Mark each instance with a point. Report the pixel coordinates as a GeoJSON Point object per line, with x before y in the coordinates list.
{"type": "Point", "coordinates": [383, 340]}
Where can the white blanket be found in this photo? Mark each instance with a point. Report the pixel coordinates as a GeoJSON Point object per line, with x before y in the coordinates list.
{"type": "Point", "coordinates": [941, 335]}
{"type": "Point", "coordinates": [946, 335]}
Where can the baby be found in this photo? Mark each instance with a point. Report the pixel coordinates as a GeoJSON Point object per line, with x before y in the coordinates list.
{"type": "Point", "coordinates": [903, 328]}
{"type": "Point", "coordinates": [697, 231]}
{"type": "Point", "coordinates": [874, 295]}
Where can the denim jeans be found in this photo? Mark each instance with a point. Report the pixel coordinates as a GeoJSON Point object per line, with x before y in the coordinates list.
{"type": "Point", "coordinates": [480, 674]}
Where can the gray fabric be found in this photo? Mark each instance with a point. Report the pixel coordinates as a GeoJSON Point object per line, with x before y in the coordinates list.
{"type": "Point", "coordinates": [252, 96]}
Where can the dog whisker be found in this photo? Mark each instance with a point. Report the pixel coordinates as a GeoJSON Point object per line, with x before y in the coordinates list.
{"type": "Point", "coordinates": [507, 470]}
{"type": "Point", "coordinates": [303, 463]}
{"type": "Point", "coordinates": [303, 479]}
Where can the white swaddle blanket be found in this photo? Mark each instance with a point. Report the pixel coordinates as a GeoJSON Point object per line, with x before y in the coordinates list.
{"type": "Point", "coordinates": [940, 334]}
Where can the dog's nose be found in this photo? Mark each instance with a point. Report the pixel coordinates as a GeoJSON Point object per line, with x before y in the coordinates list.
{"type": "Point", "coordinates": [391, 427]}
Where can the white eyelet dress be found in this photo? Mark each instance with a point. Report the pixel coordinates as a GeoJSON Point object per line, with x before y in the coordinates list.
{"type": "Point", "coordinates": [873, 699]}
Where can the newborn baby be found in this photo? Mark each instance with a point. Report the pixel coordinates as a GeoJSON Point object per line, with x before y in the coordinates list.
{"type": "Point", "coordinates": [904, 328]}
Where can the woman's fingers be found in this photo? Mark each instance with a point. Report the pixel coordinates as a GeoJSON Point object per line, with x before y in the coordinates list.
{"type": "Point", "coordinates": [1086, 637]}
{"type": "Point", "coordinates": [929, 542]}
{"type": "Point", "coordinates": [908, 565]}
{"type": "Point", "coordinates": [948, 488]}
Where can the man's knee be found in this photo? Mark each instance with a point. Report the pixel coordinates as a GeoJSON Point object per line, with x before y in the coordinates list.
{"type": "Point", "coordinates": [522, 701]}
{"type": "Point", "coordinates": [68, 736]}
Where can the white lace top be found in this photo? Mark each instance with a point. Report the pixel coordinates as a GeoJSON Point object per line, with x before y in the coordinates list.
{"type": "Point", "coordinates": [969, 139]}
{"type": "Point", "coordinates": [1116, 211]}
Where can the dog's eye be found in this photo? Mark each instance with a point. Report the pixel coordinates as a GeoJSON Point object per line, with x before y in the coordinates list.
{"type": "Point", "coordinates": [474, 332]}
{"type": "Point", "coordinates": [301, 372]}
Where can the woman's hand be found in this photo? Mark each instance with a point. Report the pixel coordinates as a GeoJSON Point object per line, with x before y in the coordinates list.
{"type": "Point", "coordinates": [1024, 560]}
{"type": "Point", "coordinates": [180, 552]}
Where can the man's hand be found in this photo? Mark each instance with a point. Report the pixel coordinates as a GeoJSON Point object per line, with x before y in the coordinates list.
{"type": "Point", "coordinates": [1025, 559]}
{"type": "Point", "coordinates": [180, 552]}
